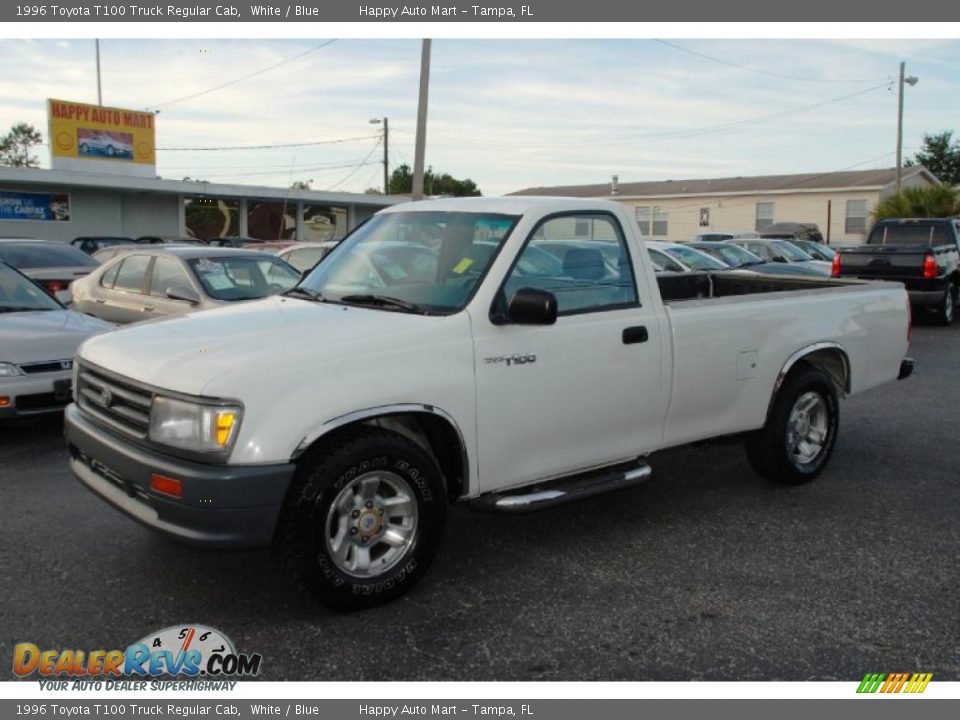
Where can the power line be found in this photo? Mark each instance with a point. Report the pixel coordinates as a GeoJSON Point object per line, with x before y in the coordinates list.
{"type": "Point", "coordinates": [244, 77]}
{"type": "Point", "coordinates": [289, 170]}
{"type": "Point", "coordinates": [354, 171]}
{"type": "Point", "coordinates": [270, 146]}
{"type": "Point", "coordinates": [759, 71]}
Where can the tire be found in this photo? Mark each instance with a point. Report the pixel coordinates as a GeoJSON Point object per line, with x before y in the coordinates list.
{"type": "Point", "coordinates": [111, 151]}
{"type": "Point", "coordinates": [947, 309]}
{"type": "Point", "coordinates": [83, 148]}
{"type": "Point", "coordinates": [345, 533]}
{"type": "Point", "coordinates": [805, 406]}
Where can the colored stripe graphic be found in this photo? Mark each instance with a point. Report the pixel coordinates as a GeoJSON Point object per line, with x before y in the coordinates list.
{"type": "Point", "coordinates": [894, 682]}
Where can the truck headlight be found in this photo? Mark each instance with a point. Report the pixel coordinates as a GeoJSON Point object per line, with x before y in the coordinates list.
{"type": "Point", "coordinates": [194, 426]}
{"type": "Point", "coordinates": [9, 370]}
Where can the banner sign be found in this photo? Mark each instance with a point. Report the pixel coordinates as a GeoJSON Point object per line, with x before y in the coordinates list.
{"type": "Point", "coordinates": [34, 206]}
{"type": "Point", "coordinates": [101, 139]}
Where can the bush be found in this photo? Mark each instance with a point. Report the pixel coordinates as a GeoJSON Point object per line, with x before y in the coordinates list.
{"type": "Point", "coordinates": [916, 202]}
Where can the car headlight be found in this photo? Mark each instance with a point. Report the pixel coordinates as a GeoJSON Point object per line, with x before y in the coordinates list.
{"type": "Point", "coordinates": [9, 370]}
{"type": "Point", "coordinates": [194, 426]}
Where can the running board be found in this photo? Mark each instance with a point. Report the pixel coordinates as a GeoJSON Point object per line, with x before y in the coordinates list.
{"type": "Point", "coordinates": [563, 490]}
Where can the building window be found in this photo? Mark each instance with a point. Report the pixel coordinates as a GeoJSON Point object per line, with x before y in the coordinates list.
{"type": "Point", "coordinates": [856, 217]}
{"type": "Point", "coordinates": [764, 215]}
{"type": "Point", "coordinates": [581, 228]}
{"type": "Point", "coordinates": [208, 218]}
{"type": "Point", "coordinates": [653, 221]}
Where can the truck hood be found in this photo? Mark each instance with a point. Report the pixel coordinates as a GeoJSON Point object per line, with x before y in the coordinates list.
{"type": "Point", "coordinates": [43, 335]}
{"type": "Point", "coordinates": [187, 353]}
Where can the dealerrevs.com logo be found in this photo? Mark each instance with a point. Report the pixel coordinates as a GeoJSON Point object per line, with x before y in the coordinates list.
{"type": "Point", "coordinates": [183, 651]}
{"type": "Point", "coordinates": [887, 683]}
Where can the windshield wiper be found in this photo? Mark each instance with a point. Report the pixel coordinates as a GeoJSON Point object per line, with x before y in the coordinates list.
{"type": "Point", "coordinates": [303, 292]}
{"type": "Point", "coordinates": [385, 301]}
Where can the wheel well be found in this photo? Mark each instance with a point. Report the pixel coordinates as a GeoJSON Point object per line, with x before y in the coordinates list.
{"type": "Point", "coordinates": [438, 437]}
{"type": "Point", "coordinates": [832, 362]}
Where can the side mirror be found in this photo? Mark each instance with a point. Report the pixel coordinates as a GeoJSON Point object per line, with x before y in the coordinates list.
{"type": "Point", "coordinates": [182, 292]}
{"type": "Point", "coordinates": [530, 306]}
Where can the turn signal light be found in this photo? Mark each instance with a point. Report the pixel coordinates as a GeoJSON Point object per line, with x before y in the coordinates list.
{"type": "Point", "coordinates": [4, 401]}
{"type": "Point", "coordinates": [929, 267]}
{"type": "Point", "coordinates": [55, 286]}
{"type": "Point", "coordinates": [835, 266]}
{"type": "Point", "coordinates": [166, 485]}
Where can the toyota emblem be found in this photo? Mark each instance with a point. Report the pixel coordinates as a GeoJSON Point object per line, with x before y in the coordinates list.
{"type": "Point", "coordinates": [106, 397]}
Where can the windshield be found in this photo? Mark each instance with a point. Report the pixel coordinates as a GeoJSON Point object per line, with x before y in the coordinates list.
{"type": "Point", "coordinates": [18, 294]}
{"type": "Point", "coordinates": [821, 252]}
{"type": "Point", "coordinates": [44, 255]}
{"type": "Point", "coordinates": [733, 255]}
{"type": "Point", "coordinates": [914, 234]}
{"type": "Point", "coordinates": [433, 260]}
{"type": "Point", "coordinates": [790, 251]}
{"type": "Point", "coordinates": [243, 277]}
{"type": "Point", "coordinates": [696, 260]}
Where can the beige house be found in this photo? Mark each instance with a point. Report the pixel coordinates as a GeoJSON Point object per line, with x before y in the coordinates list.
{"type": "Point", "coordinates": [840, 203]}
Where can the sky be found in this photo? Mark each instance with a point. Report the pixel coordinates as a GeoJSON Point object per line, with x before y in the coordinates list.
{"type": "Point", "coordinates": [508, 114]}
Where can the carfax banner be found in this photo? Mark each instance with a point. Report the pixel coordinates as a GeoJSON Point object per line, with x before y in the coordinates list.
{"type": "Point", "coordinates": [34, 206]}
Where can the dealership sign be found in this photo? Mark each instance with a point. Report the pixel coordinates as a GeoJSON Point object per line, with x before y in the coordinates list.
{"type": "Point", "coordinates": [94, 138]}
{"type": "Point", "coordinates": [34, 206]}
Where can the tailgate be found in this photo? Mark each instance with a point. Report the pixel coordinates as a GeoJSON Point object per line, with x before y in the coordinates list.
{"type": "Point", "coordinates": [891, 262]}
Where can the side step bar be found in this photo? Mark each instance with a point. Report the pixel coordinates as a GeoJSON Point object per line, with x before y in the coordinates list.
{"type": "Point", "coordinates": [563, 490]}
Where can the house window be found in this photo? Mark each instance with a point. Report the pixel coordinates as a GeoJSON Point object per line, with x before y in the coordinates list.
{"type": "Point", "coordinates": [764, 215]}
{"type": "Point", "coordinates": [652, 220]}
{"type": "Point", "coordinates": [856, 217]}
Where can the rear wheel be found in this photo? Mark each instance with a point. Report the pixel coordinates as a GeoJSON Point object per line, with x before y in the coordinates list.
{"type": "Point", "coordinates": [796, 443]}
{"type": "Point", "coordinates": [947, 310]}
{"type": "Point", "coordinates": [363, 519]}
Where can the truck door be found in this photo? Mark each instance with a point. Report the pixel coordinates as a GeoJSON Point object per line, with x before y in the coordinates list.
{"type": "Point", "coordinates": [555, 399]}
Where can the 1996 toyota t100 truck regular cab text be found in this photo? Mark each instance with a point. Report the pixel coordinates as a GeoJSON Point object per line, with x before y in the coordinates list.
{"type": "Point", "coordinates": [513, 352]}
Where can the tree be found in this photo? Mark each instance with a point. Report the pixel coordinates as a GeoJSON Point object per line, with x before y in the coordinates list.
{"type": "Point", "coordinates": [401, 182]}
{"type": "Point", "coordinates": [16, 145]}
{"type": "Point", "coordinates": [913, 202]}
{"type": "Point", "coordinates": [941, 156]}
{"type": "Point", "coordinates": [301, 184]}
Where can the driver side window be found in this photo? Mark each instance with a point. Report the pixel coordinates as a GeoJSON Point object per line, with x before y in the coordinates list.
{"type": "Point", "coordinates": [582, 259]}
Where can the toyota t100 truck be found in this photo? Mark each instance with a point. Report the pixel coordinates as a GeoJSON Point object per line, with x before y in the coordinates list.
{"type": "Point", "coordinates": [512, 353]}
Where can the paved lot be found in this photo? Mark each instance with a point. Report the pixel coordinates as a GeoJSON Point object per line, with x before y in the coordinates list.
{"type": "Point", "coordinates": [705, 572]}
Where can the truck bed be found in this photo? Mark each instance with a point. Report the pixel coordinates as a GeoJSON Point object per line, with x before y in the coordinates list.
{"type": "Point", "coordinates": [681, 287]}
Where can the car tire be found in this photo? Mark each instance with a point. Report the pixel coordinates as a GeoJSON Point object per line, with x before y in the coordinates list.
{"type": "Point", "coordinates": [83, 148]}
{"type": "Point", "coordinates": [795, 444]}
{"type": "Point", "coordinates": [111, 151]}
{"type": "Point", "coordinates": [363, 519]}
{"type": "Point", "coordinates": [947, 309]}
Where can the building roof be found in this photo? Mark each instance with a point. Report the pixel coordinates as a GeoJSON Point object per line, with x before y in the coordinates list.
{"type": "Point", "coordinates": [848, 180]}
{"type": "Point", "coordinates": [68, 179]}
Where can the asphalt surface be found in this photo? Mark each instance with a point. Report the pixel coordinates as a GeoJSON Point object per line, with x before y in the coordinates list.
{"type": "Point", "coordinates": [705, 572]}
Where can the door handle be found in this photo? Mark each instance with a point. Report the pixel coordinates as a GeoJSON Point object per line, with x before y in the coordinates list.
{"type": "Point", "coordinates": [147, 308]}
{"type": "Point", "coordinates": [101, 301]}
{"type": "Point", "coordinates": [636, 334]}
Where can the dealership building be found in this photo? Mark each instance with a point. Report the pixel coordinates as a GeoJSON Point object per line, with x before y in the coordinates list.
{"type": "Point", "coordinates": [65, 204]}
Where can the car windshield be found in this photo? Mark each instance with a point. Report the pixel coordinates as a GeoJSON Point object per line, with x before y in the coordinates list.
{"type": "Point", "coordinates": [18, 294]}
{"type": "Point", "coordinates": [733, 255]}
{"type": "Point", "coordinates": [243, 277]}
{"type": "Point", "coordinates": [31, 256]}
{"type": "Point", "coordinates": [821, 252]}
{"type": "Point", "coordinates": [696, 260]}
{"type": "Point", "coordinates": [913, 234]}
{"type": "Point", "coordinates": [791, 251]}
{"type": "Point", "coordinates": [429, 261]}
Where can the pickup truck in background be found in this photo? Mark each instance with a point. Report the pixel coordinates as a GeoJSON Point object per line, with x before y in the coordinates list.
{"type": "Point", "coordinates": [338, 421]}
{"type": "Point", "coordinates": [922, 253]}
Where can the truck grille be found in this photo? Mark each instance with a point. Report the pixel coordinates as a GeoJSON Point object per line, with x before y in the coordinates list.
{"type": "Point", "coordinates": [119, 403]}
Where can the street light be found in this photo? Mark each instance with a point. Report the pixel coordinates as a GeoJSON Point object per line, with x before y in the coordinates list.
{"type": "Point", "coordinates": [386, 161]}
{"type": "Point", "coordinates": [911, 81]}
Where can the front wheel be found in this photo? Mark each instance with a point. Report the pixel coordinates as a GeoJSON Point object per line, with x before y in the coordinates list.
{"type": "Point", "coordinates": [947, 310]}
{"type": "Point", "coordinates": [363, 519]}
{"type": "Point", "coordinates": [798, 438]}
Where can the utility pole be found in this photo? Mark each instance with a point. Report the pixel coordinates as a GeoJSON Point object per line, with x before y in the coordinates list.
{"type": "Point", "coordinates": [386, 156]}
{"type": "Point", "coordinates": [909, 81]}
{"type": "Point", "coordinates": [421, 145]}
{"type": "Point", "coordinates": [99, 92]}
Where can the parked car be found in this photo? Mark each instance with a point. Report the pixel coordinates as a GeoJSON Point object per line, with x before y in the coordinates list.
{"type": "Point", "coordinates": [922, 253]}
{"type": "Point", "coordinates": [237, 241]}
{"type": "Point", "coordinates": [54, 265]}
{"type": "Point", "coordinates": [38, 339]}
{"type": "Point", "coordinates": [816, 250]}
{"type": "Point", "coordinates": [304, 256]}
{"type": "Point", "coordinates": [169, 240]}
{"type": "Point", "coordinates": [270, 246]}
{"type": "Point", "coordinates": [90, 244]}
{"type": "Point", "coordinates": [723, 235]}
{"type": "Point", "coordinates": [474, 382]}
{"type": "Point", "coordinates": [781, 251]}
{"type": "Point", "coordinates": [739, 257]}
{"type": "Point", "coordinates": [171, 280]}
{"type": "Point", "coordinates": [793, 230]}
{"type": "Point", "coordinates": [688, 257]}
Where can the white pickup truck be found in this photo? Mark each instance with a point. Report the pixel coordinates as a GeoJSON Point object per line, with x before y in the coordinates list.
{"type": "Point", "coordinates": [511, 352]}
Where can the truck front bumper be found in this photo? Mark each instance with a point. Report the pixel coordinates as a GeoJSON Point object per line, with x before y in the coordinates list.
{"type": "Point", "coordinates": [222, 506]}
